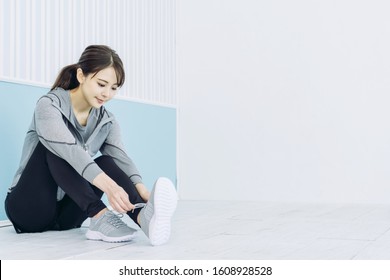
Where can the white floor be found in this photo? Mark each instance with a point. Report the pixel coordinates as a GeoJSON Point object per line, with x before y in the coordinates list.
{"type": "Point", "coordinates": [230, 230]}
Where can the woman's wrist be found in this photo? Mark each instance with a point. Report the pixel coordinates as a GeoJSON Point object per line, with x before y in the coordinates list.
{"type": "Point", "coordinates": [143, 191]}
{"type": "Point", "coordinates": [103, 182]}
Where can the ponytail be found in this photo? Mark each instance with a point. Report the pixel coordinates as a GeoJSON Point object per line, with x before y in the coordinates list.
{"type": "Point", "coordinates": [67, 78]}
{"type": "Point", "coordinates": [94, 59]}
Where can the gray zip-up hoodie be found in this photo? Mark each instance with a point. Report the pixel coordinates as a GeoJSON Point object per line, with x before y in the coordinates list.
{"type": "Point", "coordinates": [54, 127]}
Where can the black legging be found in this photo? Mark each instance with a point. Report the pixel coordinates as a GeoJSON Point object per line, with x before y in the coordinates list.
{"type": "Point", "coordinates": [32, 205]}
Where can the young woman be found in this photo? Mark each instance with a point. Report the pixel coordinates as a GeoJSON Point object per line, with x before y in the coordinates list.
{"type": "Point", "coordinates": [59, 184]}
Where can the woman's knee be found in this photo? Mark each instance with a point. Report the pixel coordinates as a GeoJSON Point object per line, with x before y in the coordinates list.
{"type": "Point", "coordinates": [108, 165]}
{"type": "Point", "coordinates": [104, 159]}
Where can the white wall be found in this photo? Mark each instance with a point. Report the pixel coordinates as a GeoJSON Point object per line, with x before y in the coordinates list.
{"type": "Point", "coordinates": [38, 38]}
{"type": "Point", "coordinates": [284, 100]}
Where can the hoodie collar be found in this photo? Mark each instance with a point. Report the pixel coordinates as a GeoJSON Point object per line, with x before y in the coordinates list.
{"type": "Point", "coordinates": [61, 99]}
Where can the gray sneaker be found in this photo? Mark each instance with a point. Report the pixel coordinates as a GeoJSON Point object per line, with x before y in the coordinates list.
{"type": "Point", "coordinates": [155, 217]}
{"type": "Point", "coordinates": [110, 228]}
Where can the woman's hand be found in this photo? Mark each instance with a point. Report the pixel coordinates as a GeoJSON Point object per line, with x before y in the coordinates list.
{"type": "Point", "coordinates": [117, 197]}
{"type": "Point", "coordinates": [143, 191]}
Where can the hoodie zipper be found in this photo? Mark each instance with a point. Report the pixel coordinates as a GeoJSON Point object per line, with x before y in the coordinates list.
{"type": "Point", "coordinates": [85, 144]}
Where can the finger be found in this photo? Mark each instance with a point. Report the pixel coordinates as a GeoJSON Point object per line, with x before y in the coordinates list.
{"type": "Point", "coordinates": [126, 204]}
{"type": "Point", "coordinates": [121, 206]}
{"type": "Point", "coordinates": [118, 206]}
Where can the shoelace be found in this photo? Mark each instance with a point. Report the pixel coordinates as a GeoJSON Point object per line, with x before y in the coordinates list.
{"type": "Point", "coordinates": [138, 205]}
{"type": "Point", "coordinates": [116, 221]}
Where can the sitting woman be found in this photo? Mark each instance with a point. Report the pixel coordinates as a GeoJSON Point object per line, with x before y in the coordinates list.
{"type": "Point", "coordinates": [59, 184]}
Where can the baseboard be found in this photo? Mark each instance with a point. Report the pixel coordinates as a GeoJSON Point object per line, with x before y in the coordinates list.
{"type": "Point", "coordinates": [5, 223]}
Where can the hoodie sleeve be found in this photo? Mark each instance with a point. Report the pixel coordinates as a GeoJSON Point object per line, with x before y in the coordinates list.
{"type": "Point", "coordinates": [114, 147]}
{"type": "Point", "coordinates": [54, 134]}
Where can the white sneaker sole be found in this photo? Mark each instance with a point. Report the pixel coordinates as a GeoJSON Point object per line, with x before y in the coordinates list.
{"type": "Point", "coordinates": [97, 235]}
{"type": "Point", "coordinates": [165, 202]}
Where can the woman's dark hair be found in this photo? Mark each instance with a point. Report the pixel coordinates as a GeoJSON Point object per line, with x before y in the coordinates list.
{"type": "Point", "coordinates": [94, 59]}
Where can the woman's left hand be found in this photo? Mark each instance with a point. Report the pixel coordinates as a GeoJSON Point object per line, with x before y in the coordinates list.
{"type": "Point", "coordinates": [143, 191]}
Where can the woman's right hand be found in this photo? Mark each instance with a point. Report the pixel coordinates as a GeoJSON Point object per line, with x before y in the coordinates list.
{"type": "Point", "coordinates": [117, 197]}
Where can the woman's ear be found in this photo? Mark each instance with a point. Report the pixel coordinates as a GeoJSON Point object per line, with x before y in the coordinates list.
{"type": "Point", "coordinates": [80, 75]}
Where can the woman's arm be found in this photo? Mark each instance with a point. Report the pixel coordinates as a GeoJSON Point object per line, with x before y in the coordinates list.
{"type": "Point", "coordinates": [143, 191]}
{"type": "Point", "coordinates": [54, 134]}
{"type": "Point", "coordinates": [114, 148]}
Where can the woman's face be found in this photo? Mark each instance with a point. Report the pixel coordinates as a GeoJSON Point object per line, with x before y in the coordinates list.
{"type": "Point", "coordinates": [100, 88]}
